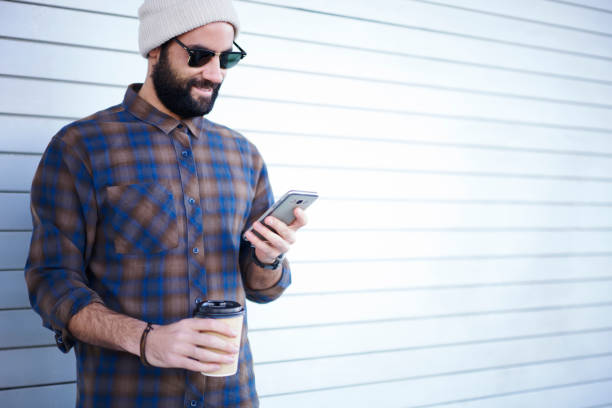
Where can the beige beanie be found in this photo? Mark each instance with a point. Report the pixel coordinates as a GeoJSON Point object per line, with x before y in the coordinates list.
{"type": "Point", "coordinates": [162, 20]}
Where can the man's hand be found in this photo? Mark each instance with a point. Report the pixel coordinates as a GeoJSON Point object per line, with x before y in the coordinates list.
{"type": "Point", "coordinates": [275, 243]}
{"type": "Point", "coordinates": [182, 345]}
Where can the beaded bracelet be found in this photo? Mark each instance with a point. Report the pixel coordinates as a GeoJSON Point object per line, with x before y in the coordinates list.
{"type": "Point", "coordinates": [143, 341]}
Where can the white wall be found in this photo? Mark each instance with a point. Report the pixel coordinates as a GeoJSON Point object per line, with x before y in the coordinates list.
{"type": "Point", "coordinates": [461, 251]}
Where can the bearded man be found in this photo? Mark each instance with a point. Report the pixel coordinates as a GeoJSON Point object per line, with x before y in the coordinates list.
{"type": "Point", "coordinates": [138, 214]}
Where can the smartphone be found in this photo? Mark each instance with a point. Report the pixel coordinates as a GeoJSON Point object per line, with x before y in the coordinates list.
{"type": "Point", "coordinates": [284, 206]}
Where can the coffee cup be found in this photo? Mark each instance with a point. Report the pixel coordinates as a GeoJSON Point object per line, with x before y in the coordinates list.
{"type": "Point", "coordinates": [231, 313]}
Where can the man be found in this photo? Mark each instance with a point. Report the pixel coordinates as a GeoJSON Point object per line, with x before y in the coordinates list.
{"type": "Point", "coordinates": [138, 212]}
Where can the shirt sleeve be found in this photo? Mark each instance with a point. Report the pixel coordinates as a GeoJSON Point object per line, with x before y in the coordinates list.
{"type": "Point", "coordinates": [263, 200]}
{"type": "Point", "coordinates": [64, 216]}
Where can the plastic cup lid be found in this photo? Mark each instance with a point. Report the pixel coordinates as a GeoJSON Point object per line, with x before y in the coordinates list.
{"type": "Point", "coordinates": [218, 308]}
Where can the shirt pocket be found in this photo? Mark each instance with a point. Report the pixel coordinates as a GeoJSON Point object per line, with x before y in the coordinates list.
{"type": "Point", "coordinates": [142, 218]}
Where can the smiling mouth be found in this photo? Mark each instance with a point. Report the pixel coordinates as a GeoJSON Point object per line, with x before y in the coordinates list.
{"type": "Point", "coordinates": [203, 91]}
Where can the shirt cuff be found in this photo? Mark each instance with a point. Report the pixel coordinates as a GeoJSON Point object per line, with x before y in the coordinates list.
{"type": "Point", "coordinates": [76, 300]}
{"type": "Point", "coordinates": [274, 292]}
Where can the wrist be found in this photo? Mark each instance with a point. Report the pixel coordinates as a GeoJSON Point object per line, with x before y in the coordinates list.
{"type": "Point", "coordinates": [266, 263]}
{"type": "Point", "coordinates": [143, 344]}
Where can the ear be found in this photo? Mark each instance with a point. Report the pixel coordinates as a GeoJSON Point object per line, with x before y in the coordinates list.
{"type": "Point", "coordinates": [153, 55]}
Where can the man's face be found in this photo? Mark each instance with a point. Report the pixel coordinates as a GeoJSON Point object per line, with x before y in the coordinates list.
{"type": "Point", "coordinates": [187, 91]}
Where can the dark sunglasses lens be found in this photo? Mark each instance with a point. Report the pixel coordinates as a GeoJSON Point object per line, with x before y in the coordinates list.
{"type": "Point", "coordinates": [200, 58]}
{"type": "Point", "coordinates": [230, 59]}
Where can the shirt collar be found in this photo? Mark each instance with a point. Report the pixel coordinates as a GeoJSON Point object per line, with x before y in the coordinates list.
{"type": "Point", "coordinates": [146, 112]}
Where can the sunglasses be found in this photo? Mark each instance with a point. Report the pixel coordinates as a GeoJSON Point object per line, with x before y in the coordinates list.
{"type": "Point", "coordinates": [199, 57]}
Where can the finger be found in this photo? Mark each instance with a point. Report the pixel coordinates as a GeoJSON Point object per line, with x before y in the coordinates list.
{"type": "Point", "coordinates": [207, 356]}
{"type": "Point", "coordinates": [262, 246]}
{"type": "Point", "coordinates": [282, 229]}
{"type": "Point", "coordinates": [274, 244]}
{"type": "Point", "coordinates": [209, 341]}
{"type": "Point", "coordinates": [300, 219]}
{"type": "Point", "coordinates": [212, 325]}
{"type": "Point", "coordinates": [195, 365]}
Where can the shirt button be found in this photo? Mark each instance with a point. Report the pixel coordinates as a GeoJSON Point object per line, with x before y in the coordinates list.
{"type": "Point", "coordinates": [191, 201]}
{"type": "Point", "coordinates": [198, 300]}
{"type": "Point", "coordinates": [194, 403]}
{"type": "Point", "coordinates": [196, 251]}
{"type": "Point", "coordinates": [180, 126]}
{"type": "Point", "coordinates": [185, 153]}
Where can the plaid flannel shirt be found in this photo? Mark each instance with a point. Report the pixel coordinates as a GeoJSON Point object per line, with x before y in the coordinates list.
{"type": "Point", "coordinates": [144, 213]}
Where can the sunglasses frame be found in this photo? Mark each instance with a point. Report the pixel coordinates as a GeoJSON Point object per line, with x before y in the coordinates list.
{"type": "Point", "coordinates": [211, 54]}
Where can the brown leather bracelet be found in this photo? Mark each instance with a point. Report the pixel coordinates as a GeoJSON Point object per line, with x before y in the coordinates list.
{"type": "Point", "coordinates": [143, 342]}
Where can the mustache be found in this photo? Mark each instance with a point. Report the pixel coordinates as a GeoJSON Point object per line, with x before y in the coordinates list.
{"type": "Point", "coordinates": [203, 83]}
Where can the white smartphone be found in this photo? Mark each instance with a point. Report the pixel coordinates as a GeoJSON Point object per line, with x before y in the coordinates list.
{"type": "Point", "coordinates": [284, 206]}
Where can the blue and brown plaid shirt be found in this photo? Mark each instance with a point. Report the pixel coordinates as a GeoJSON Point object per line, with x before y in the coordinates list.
{"type": "Point", "coordinates": [145, 213]}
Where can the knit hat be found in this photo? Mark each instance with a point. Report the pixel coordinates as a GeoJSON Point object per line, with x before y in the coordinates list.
{"type": "Point", "coordinates": [162, 20]}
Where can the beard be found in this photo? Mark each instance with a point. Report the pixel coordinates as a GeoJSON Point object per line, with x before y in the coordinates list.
{"type": "Point", "coordinates": [175, 92]}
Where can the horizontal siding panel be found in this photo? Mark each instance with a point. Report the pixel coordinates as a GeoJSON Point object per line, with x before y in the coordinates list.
{"type": "Point", "coordinates": [270, 346]}
{"type": "Point", "coordinates": [54, 396]}
{"type": "Point", "coordinates": [289, 311]}
{"type": "Point", "coordinates": [331, 214]}
{"type": "Point", "coordinates": [316, 151]}
{"type": "Point", "coordinates": [599, 5]}
{"type": "Point", "coordinates": [586, 395]}
{"type": "Point", "coordinates": [34, 366]}
{"type": "Point", "coordinates": [21, 168]}
{"type": "Point", "coordinates": [288, 117]}
{"type": "Point", "coordinates": [15, 211]}
{"type": "Point", "coordinates": [425, 15]}
{"type": "Point", "coordinates": [488, 318]}
{"type": "Point", "coordinates": [67, 26]}
{"type": "Point", "coordinates": [344, 371]}
{"type": "Point", "coordinates": [357, 245]}
{"type": "Point", "coordinates": [14, 248]}
{"type": "Point", "coordinates": [397, 275]}
{"type": "Point", "coordinates": [125, 7]}
{"type": "Point", "coordinates": [28, 134]}
{"type": "Point", "coordinates": [77, 28]}
{"type": "Point", "coordinates": [404, 185]}
{"type": "Point", "coordinates": [440, 391]}
{"type": "Point", "coordinates": [13, 291]}
{"type": "Point", "coordinates": [552, 12]}
{"type": "Point", "coordinates": [412, 70]}
{"type": "Point", "coordinates": [374, 36]}
{"type": "Point", "coordinates": [56, 98]}
{"type": "Point", "coordinates": [23, 328]}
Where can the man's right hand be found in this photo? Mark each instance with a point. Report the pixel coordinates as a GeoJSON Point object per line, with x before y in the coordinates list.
{"type": "Point", "coordinates": [182, 345]}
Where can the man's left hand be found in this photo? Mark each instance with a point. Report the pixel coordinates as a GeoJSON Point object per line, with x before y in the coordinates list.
{"type": "Point", "coordinates": [278, 241]}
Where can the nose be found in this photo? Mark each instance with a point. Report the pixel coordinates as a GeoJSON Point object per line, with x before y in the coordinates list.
{"type": "Point", "coordinates": [213, 71]}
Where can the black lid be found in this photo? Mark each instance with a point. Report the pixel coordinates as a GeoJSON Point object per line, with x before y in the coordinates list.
{"type": "Point", "coordinates": [218, 308]}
